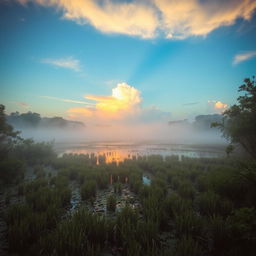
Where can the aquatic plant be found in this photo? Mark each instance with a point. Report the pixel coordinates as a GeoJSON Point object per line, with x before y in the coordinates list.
{"type": "Point", "coordinates": [111, 203]}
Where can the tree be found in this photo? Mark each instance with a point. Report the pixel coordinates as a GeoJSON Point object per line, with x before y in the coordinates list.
{"type": "Point", "coordinates": [239, 121]}
{"type": "Point", "coordinates": [229, 149]}
{"type": "Point", "coordinates": [6, 130]}
{"type": "Point", "coordinates": [7, 134]}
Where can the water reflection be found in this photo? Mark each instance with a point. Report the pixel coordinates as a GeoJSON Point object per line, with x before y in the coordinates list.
{"type": "Point", "coordinates": [104, 156]}
{"type": "Point", "coordinates": [118, 152]}
{"type": "Point", "coordinates": [146, 180]}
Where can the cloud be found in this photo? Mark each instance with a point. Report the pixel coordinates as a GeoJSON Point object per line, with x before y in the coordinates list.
{"type": "Point", "coordinates": [130, 18]}
{"type": "Point", "coordinates": [184, 18]}
{"type": "Point", "coordinates": [22, 104]}
{"type": "Point", "coordinates": [241, 57]}
{"type": "Point", "coordinates": [67, 100]}
{"type": "Point", "coordinates": [78, 112]}
{"type": "Point", "coordinates": [68, 63]}
{"type": "Point", "coordinates": [122, 106]}
{"type": "Point", "coordinates": [190, 103]}
{"type": "Point", "coordinates": [150, 18]}
{"type": "Point", "coordinates": [124, 98]}
{"type": "Point", "coordinates": [218, 105]}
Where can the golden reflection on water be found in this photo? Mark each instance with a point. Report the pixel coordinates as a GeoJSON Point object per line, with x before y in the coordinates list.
{"type": "Point", "coordinates": [110, 156]}
{"type": "Point", "coordinates": [118, 153]}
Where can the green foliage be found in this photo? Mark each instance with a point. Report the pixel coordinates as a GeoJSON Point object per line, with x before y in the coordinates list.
{"type": "Point", "coordinates": [34, 153]}
{"type": "Point", "coordinates": [188, 224]}
{"type": "Point", "coordinates": [7, 135]}
{"type": "Point", "coordinates": [229, 149]}
{"type": "Point", "coordinates": [175, 205]}
{"type": "Point", "coordinates": [118, 188]}
{"type": "Point", "coordinates": [219, 235]}
{"type": "Point", "coordinates": [210, 204]}
{"type": "Point", "coordinates": [28, 222]}
{"type": "Point", "coordinates": [82, 234]}
{"type": "Point", "coordinates": [192, 206]}
{"type": "Point", "coordinates": [186, 190]}
{"type": "Point", "coordinates": [88, 190]}
{"type": "Point", "coordinates": [111, 203]}
{"type": "Point", "coordinates": [188, 246]}
{"type": "Point", "coordinates": [243, 229]}
{"type": "Point", "coordinates": [136, 237]}
{"type": "Point", "coordinates": [102, 179]}
{"type": "Point", "coordinates": [239, 121]}
{"type": "Point", "coordinates": [135, 182]}
{"type": "Point", "coordinates": [11, 171]}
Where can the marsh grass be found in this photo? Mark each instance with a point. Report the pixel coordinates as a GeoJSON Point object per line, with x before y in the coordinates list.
{"type": "Point", "coordinates": [200, 203]}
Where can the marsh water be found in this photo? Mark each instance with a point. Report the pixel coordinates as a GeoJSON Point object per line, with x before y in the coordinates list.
{"type": "Point", "coordinates": [118, 151]}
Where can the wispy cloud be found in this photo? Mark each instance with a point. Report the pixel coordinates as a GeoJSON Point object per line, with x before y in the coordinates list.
{"type": "Point", "coordinates": [67, 100]}
{"type": "Point", "coordinates": [190, 103]}
{"type": "Point", "coordinates": [244, 56]}
{"type": "Point", "coordinates": [21, 104]}
{"type": "Point", "coordinates": [148, 19]}
{"type": "Point", "coordinates": [184, 18]}
{"type": "Point", "coordinates": [68, 62]}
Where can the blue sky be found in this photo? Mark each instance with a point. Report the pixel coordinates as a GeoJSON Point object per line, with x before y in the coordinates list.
{"type": "Point", "coordinates": [44, 53]}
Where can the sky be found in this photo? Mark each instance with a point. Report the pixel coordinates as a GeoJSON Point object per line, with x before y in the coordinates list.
{"type": "Point", "coordinates": [108, 61]}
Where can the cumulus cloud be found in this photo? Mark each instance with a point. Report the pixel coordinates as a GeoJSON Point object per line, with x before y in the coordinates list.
{"type": "Point", "coordinates": [241, 57]}
{"type": "Point", "coordinates": [149, 18]}
{"type": "Point", "coordinates": [122, 106]}
{"type": "Point", "coordinates": [125, 100]}
{"type": "Point", "coordinates": [68, 63]}
{"type": "Point", "coordinates": [124, 97]}
{"type": "Point", "coordinates": [218, 105]}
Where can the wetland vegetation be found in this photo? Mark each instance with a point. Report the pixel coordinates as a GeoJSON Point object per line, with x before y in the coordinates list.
{"type": "Point", "coordinates": [191, 207]}
{"type": "Point", "coordinates": [79, 204]}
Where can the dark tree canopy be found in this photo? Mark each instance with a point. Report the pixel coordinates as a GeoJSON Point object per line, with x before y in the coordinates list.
{"type": "Point", "coordinates": [7, 134]}
{"type": "Point", "coordinates": [34, 120]}
{"type": "Point", "coordinates": [239, 121]}
{"type": "Point", "coordinates": [6, 130]}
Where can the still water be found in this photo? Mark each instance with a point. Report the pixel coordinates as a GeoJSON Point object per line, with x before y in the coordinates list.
{"type": "Point", "coordinates": [118, 151]}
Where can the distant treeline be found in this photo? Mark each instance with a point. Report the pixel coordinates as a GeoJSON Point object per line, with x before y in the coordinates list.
{"type": "Point", "coordinates": [34, 120]}
{"type": "Point", "coordinates": [202, 122]}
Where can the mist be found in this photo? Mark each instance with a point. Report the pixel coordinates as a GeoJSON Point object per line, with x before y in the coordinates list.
{"type": "Point", "coordinates": [154, 132]}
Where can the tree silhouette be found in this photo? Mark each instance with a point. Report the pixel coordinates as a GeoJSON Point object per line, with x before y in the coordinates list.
{"type": "Point", "coordinates": [239, 121]}
{"type": "Point", "coordinates": [7, 134]}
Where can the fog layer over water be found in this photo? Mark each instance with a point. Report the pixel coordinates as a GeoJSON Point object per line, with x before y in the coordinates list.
{"type": "Point", "coordinates": [119, 142]}
{"type": "Point", "coordinates": [179, 134]}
